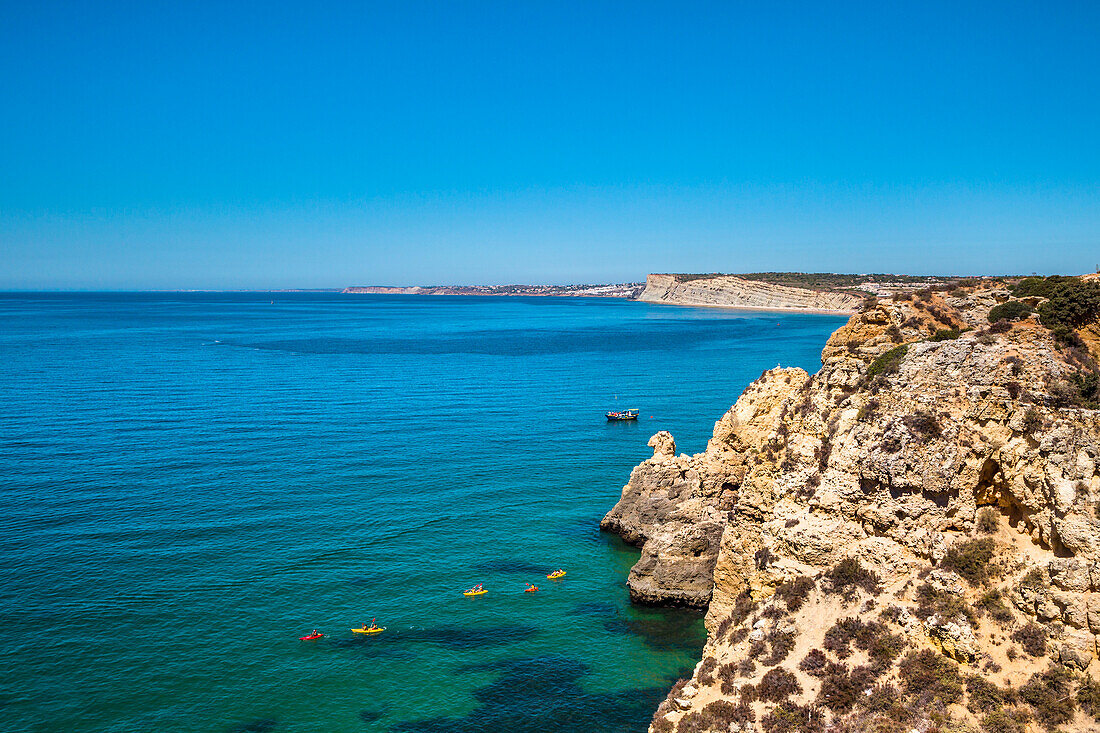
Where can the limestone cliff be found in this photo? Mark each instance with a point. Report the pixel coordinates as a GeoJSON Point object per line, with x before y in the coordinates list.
{"type": "Point", "coordinates": [735, 292]}
{"type": "Point", "coordinates": [907, 540]}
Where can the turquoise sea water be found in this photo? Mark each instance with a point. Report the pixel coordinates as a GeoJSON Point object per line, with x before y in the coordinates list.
{"type": "Point", "coordinates": [193, 481]}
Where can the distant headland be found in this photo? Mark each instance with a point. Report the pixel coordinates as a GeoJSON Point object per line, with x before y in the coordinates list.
{"type": "Point", "coordinates": [783, 291]}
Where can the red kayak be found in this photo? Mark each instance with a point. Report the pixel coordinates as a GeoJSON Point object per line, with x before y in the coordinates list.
{"type": "Point", "coordinates": [311, 637]}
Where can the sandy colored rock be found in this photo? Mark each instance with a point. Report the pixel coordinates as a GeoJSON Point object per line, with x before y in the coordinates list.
{"type": "Point", "coordinates": [889, 463]}
{"type": "Point", "coordinates": [731, 291]}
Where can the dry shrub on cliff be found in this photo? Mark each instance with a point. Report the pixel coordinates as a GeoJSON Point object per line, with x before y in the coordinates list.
{"type": "Point", "coordinates": [993, 604]}
{"type": "Point", "coordinates": [706, 671]}
{"type": "Point", "coordinates": [944, 316]}
{"type": "Point", "coordinates": [773, 611]}
{"type": "Point", "coordinates": [727, 675]}
{"type": "Point", "coordinates": [1088, 697]}
{"type": "Point", "coordinates": [927, 676]}
{"type": "Point", "coordinates": [970, 559]}
{"type": "Point", "coordinates": [841, 690]}
{"type": "Point", "coordinates": [743, 605]}
{"type": "Point", "coordinates": [873, 637]}
{"type": "Point", "coordinates": [788, 717]}
{"type": "Point", "coordinates": [867, 411]}
{"type": "Point", "coordinates": [882, 649]}
{"type": "Point", "coordinates": [723, 627]}
{"type": "Point", "coordinates": [891, 613]}
{"type": "Point", "coordinates": [1049, 695]}
{"type": "Point", "coordinates": [885, 700]}
{"type": "Point", "coordinates": [794, 592]}
{"type": "Point", "coordinates": [1080, 391]}
{"type": "Point", "coordinates": [661, 724]}
{"type": "Point", "coordinates": [1006, 720]}
{"type": "Point", "coordinates": [1035, 580]}
{"type": "Point", "coordinates": [814, 663]}
{"type": "Point", "coordinates": [718, 715]}
{"type": "Point", "coordinates": [847, 576]}
{"type": "Point", "coordinates": [923, 426]}
{"type": "Point", "coordinates": [782, 643]}
{"type": "Point", "coordinates": [777, 685]}
{"type": "Point", "coordinates": [839, 637]}
{"type": "Point", "coordinates": [1033, 638]}
{"type": "Point", "coordinates": [987, 520]}
{"type": "Point", "coordinates": [1032, 422]}
{"type": "Point", "coordinates": [931, 600]}
{"type": "Point", "coordinates": [982, 696]}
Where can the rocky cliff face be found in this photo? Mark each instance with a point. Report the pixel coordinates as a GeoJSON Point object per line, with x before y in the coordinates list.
{"type": "Point", "coordinates": [907, 540]}
{"type": "Point", "coordinates": [735, 292]}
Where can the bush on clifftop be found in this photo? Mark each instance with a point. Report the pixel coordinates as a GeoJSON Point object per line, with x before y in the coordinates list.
{"type": "Point", "coordinates": [889, 362]}
{"type": "Point", "coordinates": [1013, 310]}
{"type": "Point", "coordinates": [1072, 303]}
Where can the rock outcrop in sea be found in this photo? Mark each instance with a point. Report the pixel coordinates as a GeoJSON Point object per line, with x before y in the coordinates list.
{"type": "Point", "coordinates": [907, 540]}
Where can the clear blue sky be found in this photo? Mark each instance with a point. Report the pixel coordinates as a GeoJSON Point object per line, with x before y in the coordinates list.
{"type": "Point", "coordinates": [253, 145]}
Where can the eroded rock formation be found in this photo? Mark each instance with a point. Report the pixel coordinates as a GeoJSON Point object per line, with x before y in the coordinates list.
{"type": "Point", "coordinates": [736, 292]}
{"type": "Point", "coordinates": [931, 491]}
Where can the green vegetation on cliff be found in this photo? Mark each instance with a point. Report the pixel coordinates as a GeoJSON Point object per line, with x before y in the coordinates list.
{"type": "Point", "coordinates": [816, 280]}
{"type": "Point", "coordinates": [1071, 303]}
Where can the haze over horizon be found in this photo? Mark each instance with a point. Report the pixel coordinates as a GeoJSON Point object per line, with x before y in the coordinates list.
{"type": "Point", "coordinates": [293, 146]}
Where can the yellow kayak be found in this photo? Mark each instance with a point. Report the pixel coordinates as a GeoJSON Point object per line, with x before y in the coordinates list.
{"type": "Point", "coordinates": [556, 575]}
{"type": "Point", "coordinates": [472, 593]}
{"type": "Point", "coordinates": [375, 630]}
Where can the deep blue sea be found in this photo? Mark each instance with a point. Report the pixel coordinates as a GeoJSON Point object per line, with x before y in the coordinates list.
{"type": "Point", "coordinates": [192, 481]}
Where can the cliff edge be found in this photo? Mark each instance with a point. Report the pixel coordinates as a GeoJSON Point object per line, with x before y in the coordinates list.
{"type": "Point", "coordinates": [908, 539]}
{"type": "Point", "coordinates": [731, 291]}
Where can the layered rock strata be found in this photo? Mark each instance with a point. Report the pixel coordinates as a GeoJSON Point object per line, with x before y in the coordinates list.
{"type": "Point", "coordinates": [731, 291]}
{"type": "Point", "coordinates": [928, 491]}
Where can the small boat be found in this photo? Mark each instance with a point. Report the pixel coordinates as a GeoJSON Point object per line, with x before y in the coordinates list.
{"type": "Point", "coordinates": [474, 592]}
{"type": "Point", "coordinates": [556, 574]}
{"type": "Point", "coordinates": [369, 630]}
{"type": "Point", "coordinates": [531, 588]}
{"type": "Point", "coordinates": [617, 415]}
{"type": "Point", "coordinates": [311, 637]}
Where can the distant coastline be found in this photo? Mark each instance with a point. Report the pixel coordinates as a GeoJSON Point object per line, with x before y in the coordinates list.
{"type": "Point", "coordinates": [619, 290]}
{"type": "Point", "coordinates": [790, 292]}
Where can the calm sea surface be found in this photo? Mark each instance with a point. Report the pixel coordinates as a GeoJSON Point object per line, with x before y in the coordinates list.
{"type": "Point", "coordinates": [192, 481]}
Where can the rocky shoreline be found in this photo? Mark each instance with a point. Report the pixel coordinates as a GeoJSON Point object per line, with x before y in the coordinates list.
{"type": "Point", "coordinates": [923, 508]}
